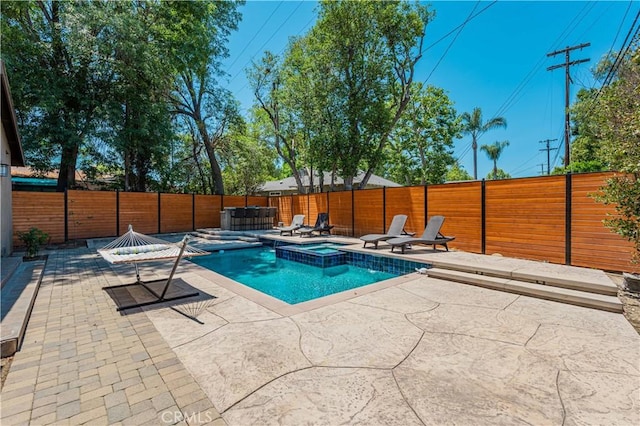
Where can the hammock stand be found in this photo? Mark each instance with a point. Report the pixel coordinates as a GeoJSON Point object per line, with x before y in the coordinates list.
{"type": "Point", "coordinates": [133, 247]}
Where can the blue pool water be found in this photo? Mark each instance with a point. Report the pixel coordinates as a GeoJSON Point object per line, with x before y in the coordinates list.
{"type": "Point", "coordinates": [287, 280]}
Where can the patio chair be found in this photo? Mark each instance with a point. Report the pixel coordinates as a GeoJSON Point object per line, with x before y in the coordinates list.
{"type": "Point", "coordinates": [296, 223]}
{"type": "Point", "coordinates": [322, 225]}
{"type": "Point", "coordinates": [430, 236]}
{"type": "Point", "coordinates": [396, 229]}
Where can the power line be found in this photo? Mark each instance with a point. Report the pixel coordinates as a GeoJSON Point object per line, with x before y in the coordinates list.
{"type": "Point", "coordinates": [267, 41]}
{"type": "Point", "coordinates": [246, 46]}
{"type": "Point", "coordinates": [514, 97]}
{"type": "Point", "coordinates": [567, 63]}
{"type": "Point", "coordinates": [548, 149]}
{"type": "Point", "coordinates": [469, 17]}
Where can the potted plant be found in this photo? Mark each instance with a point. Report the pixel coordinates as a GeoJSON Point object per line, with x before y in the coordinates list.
{"type": "Point", "coordinates": [33, 239]}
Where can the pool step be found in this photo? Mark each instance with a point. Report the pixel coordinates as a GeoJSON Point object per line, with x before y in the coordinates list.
{"type": "Point", "coordinates": [225, 236]}
{"type": "Point", "coordinates": [549, 291]}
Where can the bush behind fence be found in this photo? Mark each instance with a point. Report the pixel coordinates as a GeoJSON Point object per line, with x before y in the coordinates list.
{"type": "Point", "coordinates": [551, 218]}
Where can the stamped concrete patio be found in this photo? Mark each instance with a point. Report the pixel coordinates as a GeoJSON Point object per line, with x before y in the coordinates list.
{"type": "Point", "coordinates": [413, 350]}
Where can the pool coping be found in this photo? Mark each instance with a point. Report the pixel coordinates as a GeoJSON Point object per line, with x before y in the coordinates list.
{"type": "Point", "coordinates": [285, 309]}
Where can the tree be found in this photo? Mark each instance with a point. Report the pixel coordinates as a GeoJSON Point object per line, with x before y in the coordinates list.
{"type": "Point", "coordinates": [498, 174]}
{"type": "Point", "coordinates": [341, 89]}
{"type": "Point", "coordinates": [269, 90]}
{"type": "Point", "coordinates": [54, 52]}
{"type": "Point", "coordinates": [421, 146]}
{"type": "Point", "coordinates": [494, 151]}
{"type": "Point", "coordinates": [474, 126]}
{"type": "Point", "coordinates": [457, 173]}
{"type": "Point", "coordinates": [616, 114]}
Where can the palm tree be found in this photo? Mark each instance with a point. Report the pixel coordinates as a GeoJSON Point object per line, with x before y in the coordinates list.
{"type": "Point", "coordinates": [474, 126]}
{"type": "Point", "coordinates": [493, 152]}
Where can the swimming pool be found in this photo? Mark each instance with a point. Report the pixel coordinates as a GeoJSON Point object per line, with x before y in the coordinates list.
{"type": "Point", "coordinates": [295, 282]}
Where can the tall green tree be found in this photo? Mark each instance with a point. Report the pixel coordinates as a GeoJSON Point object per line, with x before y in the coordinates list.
{"type": "Point", "coordinates": [475, 126]}
{"type": "Point", "coordinates": [342, 88]}
{"type": "Point", "coordinates": [271, 88]}
{"type": "Point", "coordinates": [494, 151]}
{"type": "Point", "coordinates": [421, 146]}
{"type": "Point", "coordinates": [60, 76]}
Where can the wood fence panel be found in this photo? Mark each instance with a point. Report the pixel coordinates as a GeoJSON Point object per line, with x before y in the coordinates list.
{"type": "Point", "coordinates": [176, 213]}
{"type": "Point", "coordinates": [91, 214]}
{"type": "Point", "coordinates": [285, 209]}
{"type": "Point", "coordinates": [526, 218]}
{"type": "Point", "coordinates": [139, 209]}
{"type": "Point", "coordinates": [409, 201]}
{"type": "Point", "coordinates": [299, 205]}
{"type": "Point", "coordinates": [259, 201]}
{"type": "Point", "coordinates": [318, 204]}
{"type": "Point", "coordinates": [368, 211]}
{"type": "Point", "coordinates": [460, 204]}
{"type": "Point", "coordinates": [208, 211]}
{"type": "Point", "coordinates": [592, 244]}
{"type": "Point", "coordinates": [42, 210]}
{"type": "Point", "coordinates": [340, 213]}
{"type": "Point", "coordinates": [234, 201]}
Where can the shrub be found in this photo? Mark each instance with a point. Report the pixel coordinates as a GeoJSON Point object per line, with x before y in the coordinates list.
{"type": "Point", "coordinates": [33, 239]}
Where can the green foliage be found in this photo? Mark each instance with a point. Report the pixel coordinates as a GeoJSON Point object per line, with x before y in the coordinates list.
{"type": "Point", "coordinates": [421, 146]}
{"type": "Point", "coordinates": [457, 173]}
{"type": "Point", "coordinates": [494, 151]}
{"type": "Point", "coordinates": [33, 239]}
{"type": "Point", "coordinates": [91, 79]}
{"type": "Point", "coordinates": [617, 117]}
{"type": "Point", "coordinates": [579, 167]}
{"type": "Point", "coordinates": [498, 174]}
{"type": "Point", "coordinates": [339, 91]}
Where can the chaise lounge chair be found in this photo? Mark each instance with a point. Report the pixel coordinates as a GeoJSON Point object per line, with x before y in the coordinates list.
{"type": "Point", "coordinates": [430, 236]}
{"type": "Point", "coordinates": [296, 223]}
{"type": "Point", "coordinates": [322, 225]}
{"type": "Point", "coordinates": [396, 229]}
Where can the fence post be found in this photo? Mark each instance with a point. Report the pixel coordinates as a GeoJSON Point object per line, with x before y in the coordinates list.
{"type": "Point", "coordinates": [308, 204]}
{"type": "Point", "coordinates": [483, 215]}
{"type": "Point", "coordinates": [426, 207]}
{"type": "Point", "coordinates": [353, 215]}
{"type": "Point", "coordinates": [117, 212]}
{"type": "Point", "coordinates": [159, 215]}
{"type": "Point", "coordinates": [567, 219]}
{"type": "Point", "coordinates": [245, 200]}
{"type": "Point", "coordinates": [384, 208]}
{"type": "Point", "coordinates": [193, 210]}
{"type": "Point", "coordinates": [66, 215]}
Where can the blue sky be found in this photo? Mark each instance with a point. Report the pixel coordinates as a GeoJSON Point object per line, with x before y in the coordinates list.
{"type": "Point", "coordinates": [497, 62]}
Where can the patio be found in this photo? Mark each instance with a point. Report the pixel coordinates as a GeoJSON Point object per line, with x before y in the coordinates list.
{"type": "Point", "coordinates": [417, 350]}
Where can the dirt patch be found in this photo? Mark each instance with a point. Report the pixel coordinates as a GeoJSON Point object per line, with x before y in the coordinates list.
{"type": "Point", "coordinates": [4, 369]}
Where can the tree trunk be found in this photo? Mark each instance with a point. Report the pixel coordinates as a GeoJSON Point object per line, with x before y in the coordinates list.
{"type": "Point", "coordinates": [216, 172]}
{"type": "Point", "coordinates": [67, 173]}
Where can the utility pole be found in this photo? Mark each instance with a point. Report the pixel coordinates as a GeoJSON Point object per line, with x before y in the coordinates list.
{"type": "Point", "coordinates": [566, 65]}
{"type": "Point", "coordinates": [548, 149]}
{"type": "Point", "coordinates": [541, 168]}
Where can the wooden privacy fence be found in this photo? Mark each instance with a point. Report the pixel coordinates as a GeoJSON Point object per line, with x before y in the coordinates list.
{"type": "Point", "coordinates": [92, 214]}
{"type": "Point", "coordinates": [551, 218]}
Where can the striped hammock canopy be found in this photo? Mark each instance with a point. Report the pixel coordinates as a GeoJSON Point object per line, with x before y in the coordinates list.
{"type": "Point", "coordinates": [134, 247]}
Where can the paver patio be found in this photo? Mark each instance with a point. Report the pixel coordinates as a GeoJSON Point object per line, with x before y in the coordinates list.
{"type": "Point", "coordinates": [419, 351]}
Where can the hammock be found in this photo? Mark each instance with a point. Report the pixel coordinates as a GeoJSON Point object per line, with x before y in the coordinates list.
{"type": "Point", "coordinates": [133, 247]}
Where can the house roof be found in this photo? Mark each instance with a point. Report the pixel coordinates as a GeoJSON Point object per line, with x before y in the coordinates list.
{"type": "Point", "coordinates": [9, 121]}
{"type": "Point", "coordinates": [289, 183]}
